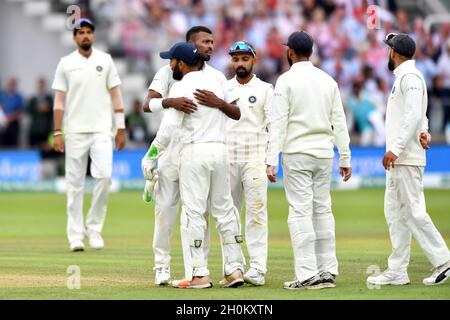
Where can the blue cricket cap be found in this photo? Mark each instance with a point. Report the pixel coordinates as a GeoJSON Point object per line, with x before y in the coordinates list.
{"type": "Point", "coordinates": [183, 51]}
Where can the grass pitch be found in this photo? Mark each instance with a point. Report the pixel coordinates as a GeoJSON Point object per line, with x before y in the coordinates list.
{"type": "Point", "coordinates": [34, 254]}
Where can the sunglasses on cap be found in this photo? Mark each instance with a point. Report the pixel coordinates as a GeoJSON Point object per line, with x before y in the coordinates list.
{"type": "Point", "coordinates": [242, 46]}
{"type": "Point", "coordinates": [389, 36]}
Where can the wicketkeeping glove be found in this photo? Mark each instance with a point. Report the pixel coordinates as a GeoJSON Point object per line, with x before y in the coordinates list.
{"type": "Point", "coordinates": [148, 163]}
{"type": "Point", "coordinates": [147, 195]}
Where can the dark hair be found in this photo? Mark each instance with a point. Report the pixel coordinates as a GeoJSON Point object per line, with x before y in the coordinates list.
{"type": "Point", "coordinates": [75, 30]}
{"type": "Point", "coordinates": [196, 29]}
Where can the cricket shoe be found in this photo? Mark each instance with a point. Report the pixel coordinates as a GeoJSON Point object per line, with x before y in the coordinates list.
{"type": "Point", "coordinates": [195, 283]}
{"type": "Point", "coordinates": [254, 277]}
{"type": "Point", "coordinates": [312, 283]}
{"type": "Point", "coordinates": [396, 278]}
{"type": "Point", "coordinates": [233, 280]}
{"type": "Point", "coordinates": [76, 245]}
{"type": "Point", "coordinates": [328, 279]}
{"type": "Point", "coordinates": [162, 276]}
{"type": "Point", "coordinates": [440, 275]}
{"type": "Point", "coordinates": [95, 240]}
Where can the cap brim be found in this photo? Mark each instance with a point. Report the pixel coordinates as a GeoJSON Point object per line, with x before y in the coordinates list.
{"type": "Point", "coordinates": [165, 55]}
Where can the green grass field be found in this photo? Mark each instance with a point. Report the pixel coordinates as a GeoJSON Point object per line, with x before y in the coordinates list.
{"type": "Point", "coordinates": [34, 254]}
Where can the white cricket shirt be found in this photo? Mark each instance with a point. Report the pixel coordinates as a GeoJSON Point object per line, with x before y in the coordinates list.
{"type": "Point", "coordinates": [308, 116]}
{"type": "Point", "coordinates": [87, 82]}
{"type": "Point", "coordinates": [204, 125]}
{"type": "Point", "coordinates": [406, 115]}
{"type": "Point", "coordinates": [247, 137]}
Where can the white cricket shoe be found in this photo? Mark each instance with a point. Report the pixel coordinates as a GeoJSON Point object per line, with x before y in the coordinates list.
{"type": "Point", "coordinates": [254, 277]}
{"type": "Point", "coordinates": [162, 276]}
{"type": "Point", "coordinates": [76, 245]}
{"type": "Point", "coordinates": [95, 240]}
{"type": "Point", "coordinates": [390, 277]}
{"type": "Point", "coordinates": [440, 275]}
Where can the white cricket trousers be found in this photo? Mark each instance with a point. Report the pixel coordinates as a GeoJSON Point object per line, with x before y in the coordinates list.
{"type": "Point", "coordinates": [250, 179]}
{"type": "Point", "coordinates": [204, 170]}
{"type": "Point", "coordinates": [406, 215]}
{"type": "Point", "coordinates": [307, 181]}
{"type": "Point", "coordinates": [167, 203]}
{"type": "Point", "coordinates": [80, 146]}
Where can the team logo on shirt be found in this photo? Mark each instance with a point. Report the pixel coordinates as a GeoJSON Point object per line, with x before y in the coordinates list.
{"type": "Point", "coordinates": [99, 68]}
{"type": "Point", "coordinates": [252, 99]}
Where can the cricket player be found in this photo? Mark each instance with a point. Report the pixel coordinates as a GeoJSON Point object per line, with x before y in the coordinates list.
{"type": "Point", "coordinates": [166, 183]}
{"type": "Point", "coordinates": [88, 97]}
{"type": "Point", "coordinates": [203, 168]}
{"type": "Point", "coordinates": [404, 161]}
{"type": "Point", "coordinates": [247, 144]}
{"type": "Point", "coordinates": [308, 118]}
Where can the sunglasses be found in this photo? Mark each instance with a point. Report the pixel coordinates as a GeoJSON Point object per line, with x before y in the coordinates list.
{"type": "Point", "coordinates": [242, 46]}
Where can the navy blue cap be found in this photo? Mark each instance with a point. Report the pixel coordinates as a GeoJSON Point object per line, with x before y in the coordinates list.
{"type": "Point", "coordinates": [83, 22]}
{"type": "Point", "coordinates": [301, 42]}
{"type": "Point", "coordinates": [183, 51]}
{"type": "Point", "coordinates": [401, 43]}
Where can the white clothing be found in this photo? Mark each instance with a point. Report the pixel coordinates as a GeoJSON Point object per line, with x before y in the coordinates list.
{"type": "Point", "coordinates": [311, 223]}
{"type": "Point", "coordinates": [405, 212]}
{"type": "Point", "coordinates": [87, 82]}
{"type": "Point", "coordinates": [406, 109]}
{"type": "Point", "coordinates": [308, 116]}
{"type": "Point", "coordinates": [247, 137]}
{"type": "Point", "coordinates": [80, 146]}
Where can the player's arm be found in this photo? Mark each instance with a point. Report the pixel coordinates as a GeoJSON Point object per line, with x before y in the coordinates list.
{"type": "Point", "coordinates": [209, 99]}
{"type": "Point", "coordinates": [425, 136]}
{"type": "Point", "coordinates": [119, 116]}
{"type": "Point", "coordinates": [412, 88]}
{"type": "Point", "coordinates": [341, 135]}
{"type": "Point", "coordinates": [154, 102]}
{"type": "Point", "coordinates": [58, 115]}
{"type": "Point", "coordinates": [278, 127]}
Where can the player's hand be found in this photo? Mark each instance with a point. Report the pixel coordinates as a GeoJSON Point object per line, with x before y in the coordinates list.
{"type": "Point", "coordinates": [271, 172]}
{"type": "Point", "coordinates": [425, 139]}
{"type": "Point", "coordinates": [389, 160]}
{"type": "Point", "coordinates": [147, 195]}
{"type": "Point", "coordinates": [182, 104]}
{"type": "Point", "coordinates": [208, 98]}
{"type": "Point", "coordinates": [120, 139]}
{"type": "Point", "coordinates": [345, 173]}
{"type": "Point", "coordinates": [148, 168]}
{"type": "Point", "coordinates": [59, 144]}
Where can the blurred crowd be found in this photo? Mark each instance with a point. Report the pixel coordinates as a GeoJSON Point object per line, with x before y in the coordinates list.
{"type": "Point", "coordinates": [348, 46]}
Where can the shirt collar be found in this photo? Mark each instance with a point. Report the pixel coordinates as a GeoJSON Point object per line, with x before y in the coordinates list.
{"type": "Point", "coordinates": [83, 57]}
{"type": "Point", "coordinates": [302, 64]}
{"type": "Point", "coordinates": [250, 83]}
{"type": "Point", "coordinates": [403, 67]}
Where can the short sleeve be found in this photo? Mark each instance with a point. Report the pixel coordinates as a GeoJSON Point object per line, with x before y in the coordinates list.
{"type": "Point", "coordinates": [60, 81]}
{"type": "Point", "coordinates": [230, 92]}
{"type": "Point", "coordinates": [113, 76]}
{"type": "Point", "coordinates": [160, 83]}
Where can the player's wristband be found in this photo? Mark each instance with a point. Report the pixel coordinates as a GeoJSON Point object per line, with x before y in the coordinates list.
{"type": "Point", "coordinates": [120, 120]}
{"type": "Point", "coordinates": [57, 133]}
{"type": "Point", "coordinates": [155, 105]}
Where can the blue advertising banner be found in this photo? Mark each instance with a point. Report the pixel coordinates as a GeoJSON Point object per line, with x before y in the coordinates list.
{"type": "Point", "coordinates": [127, 164]}
{"type": "Point", "coordinates": [20, 166]}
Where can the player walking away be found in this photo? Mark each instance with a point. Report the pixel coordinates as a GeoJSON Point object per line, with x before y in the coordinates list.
{"type": "Point", "coordinates": [86, 81]}
{"type": "Point", "coordinates": [247, 145]}
{"type": "Point", "coordinates": [308, 118]}
{"type": "Point", "coordinates": [203, 169]}
{"type": "Point", "coordinates": [404, 161]}
{"type": "Point", "coordinates": [166, 186]}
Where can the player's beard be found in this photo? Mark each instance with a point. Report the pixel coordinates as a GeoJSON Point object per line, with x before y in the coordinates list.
{"type": "Point", "coordinates": [391, 64]}
{"type": "Point", "coordinates": [176, 73]}
{"type": "Point", "coordinates": [86, 46]}
{"type": "Point", "coordinates": [243, 73]}
{"type": "Point", "coordinates": [289, 58]}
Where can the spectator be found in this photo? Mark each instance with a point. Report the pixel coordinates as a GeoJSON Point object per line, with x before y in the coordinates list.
{"type": "Point", "coordinates": [40, 109]}
{"type": "Point", "coordinates": [444, 87]}
{"type": "Point", "coordinates": [12, 103]}
{"type": "Point", "coordinates": [136, 127]}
